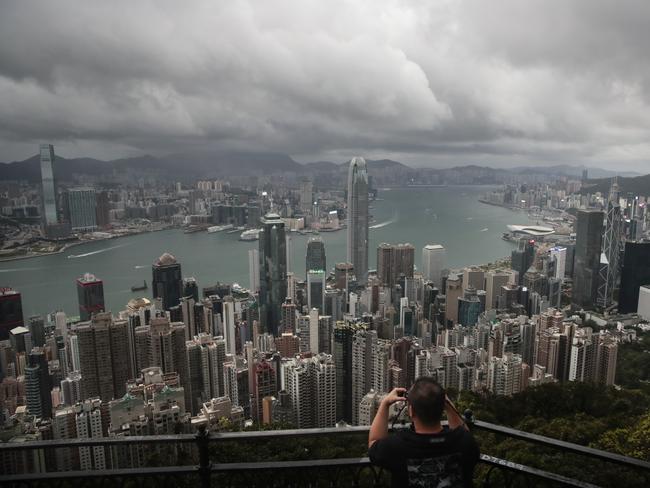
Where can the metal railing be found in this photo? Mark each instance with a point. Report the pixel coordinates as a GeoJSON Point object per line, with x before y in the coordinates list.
{"type": "Point", "coordinates": [205, 471]}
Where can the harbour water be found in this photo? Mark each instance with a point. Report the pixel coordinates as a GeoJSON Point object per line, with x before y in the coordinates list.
{"type": "Point", "coordinates": [452, 216]}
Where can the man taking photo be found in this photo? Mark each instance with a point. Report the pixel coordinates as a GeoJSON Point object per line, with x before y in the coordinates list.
{"type": "Point", "coordinates": [429, 454]}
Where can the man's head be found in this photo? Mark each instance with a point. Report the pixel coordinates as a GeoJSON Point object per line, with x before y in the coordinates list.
{"type": "Point", "coordinates": [426, 401]}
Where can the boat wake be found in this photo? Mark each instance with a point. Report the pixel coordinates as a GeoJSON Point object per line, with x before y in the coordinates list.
{"type": "Point", "coordinates": [11, 270]}
{"type": "Point", "coordinates": [385, 223]}
{"type": "Point", "coordinates": [140, 266]}
{"type": "Point", "coordinates": [484, 230]}
{"type": "Point", "coordinates": [92, 253]}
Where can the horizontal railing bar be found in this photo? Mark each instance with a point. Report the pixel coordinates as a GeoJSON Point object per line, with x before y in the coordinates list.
{"type": "Point", "coordinates": [538, 473]}
{"type": "Point", "coordinates": [274, 434]}
{"type": "Point", "coordinates": [276, 465]}
{"type": "Point", "coordinates": [105, 473]}
{"type": "Point", "coordinates": [308, 463]}
{"type": "Point", "coordinates": [562, 445]}
{"type": "Point", "coordinates": [100, 441]}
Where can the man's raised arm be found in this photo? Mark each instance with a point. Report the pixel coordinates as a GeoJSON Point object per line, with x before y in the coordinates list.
{"type": "Point", "coordinates": [379, 427]}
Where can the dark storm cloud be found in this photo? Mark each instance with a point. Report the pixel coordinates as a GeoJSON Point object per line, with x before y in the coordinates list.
{"type": "Point", "coordinates": [507, 82]}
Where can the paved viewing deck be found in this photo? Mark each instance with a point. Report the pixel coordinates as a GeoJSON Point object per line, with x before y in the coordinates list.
{"type": "Point", "coordinates": [203, 469]}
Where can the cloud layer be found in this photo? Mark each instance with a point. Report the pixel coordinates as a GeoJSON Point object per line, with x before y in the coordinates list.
{"type": "Point", "coordinates": [431, 83]}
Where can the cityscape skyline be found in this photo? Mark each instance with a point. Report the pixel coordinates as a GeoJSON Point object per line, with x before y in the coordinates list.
{"type": "Point", "coordinates": [315, 350]}
{"type": "Point", "coordinates": [306, 243]}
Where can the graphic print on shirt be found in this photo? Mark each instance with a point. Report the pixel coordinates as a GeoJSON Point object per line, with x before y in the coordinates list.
{"type": "Point", "coordinates": [439, 472]}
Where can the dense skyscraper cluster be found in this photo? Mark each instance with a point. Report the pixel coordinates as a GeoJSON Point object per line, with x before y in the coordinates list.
{"type": "Point", "coordinates": [314, 351]}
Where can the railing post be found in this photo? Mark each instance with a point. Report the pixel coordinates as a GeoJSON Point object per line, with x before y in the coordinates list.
{"type": "Point", "coordinates": [202, 441]}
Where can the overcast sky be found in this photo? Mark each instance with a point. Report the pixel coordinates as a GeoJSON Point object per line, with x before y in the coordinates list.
{"type": "Point", "coordinates": [430, 83]}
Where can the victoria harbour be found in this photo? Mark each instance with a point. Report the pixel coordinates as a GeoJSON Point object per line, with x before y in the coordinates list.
{"type": "Point", "coordinates": [470, 231]}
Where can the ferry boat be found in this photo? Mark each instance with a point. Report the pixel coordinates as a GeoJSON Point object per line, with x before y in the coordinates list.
{"type": "Point", "coordinates": [143, 286]}
{"type": "Point", "coordinates": [250, 235]}
{"type": "Point", "coordinates": [219, 228]}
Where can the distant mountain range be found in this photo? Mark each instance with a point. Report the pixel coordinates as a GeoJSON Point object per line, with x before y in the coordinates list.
{"type": "Point", "coordinates": [639, 185]}
{"type": "Point", "coordinates": [190, 166]}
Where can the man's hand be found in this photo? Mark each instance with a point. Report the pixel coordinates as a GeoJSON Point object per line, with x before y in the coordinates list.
{"type": "Point", "coordinates": [379, 427]}
{"type": "Point", "coordinates": [396, 395]}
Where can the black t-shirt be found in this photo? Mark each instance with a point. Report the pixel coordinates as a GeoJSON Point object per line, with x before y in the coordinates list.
{"type": "Point", "coordinates": [446, 459]}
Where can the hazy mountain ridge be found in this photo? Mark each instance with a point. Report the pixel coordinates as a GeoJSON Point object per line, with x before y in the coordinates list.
{"type": "Point", "coordinates": [198, 164]}
{"type": "Point", "coordinates": [638, 185]}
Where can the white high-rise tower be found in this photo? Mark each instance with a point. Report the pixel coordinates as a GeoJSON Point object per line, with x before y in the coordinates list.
{"type": "Point", "coordinates": [433, 261]}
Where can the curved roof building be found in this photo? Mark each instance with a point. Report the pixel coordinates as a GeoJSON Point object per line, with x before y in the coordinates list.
{"type": "Point", "coordinates": [531, 230]}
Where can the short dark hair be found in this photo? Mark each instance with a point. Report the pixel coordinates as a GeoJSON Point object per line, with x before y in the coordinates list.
{"type": "Point", "coordinates": [427, 398]}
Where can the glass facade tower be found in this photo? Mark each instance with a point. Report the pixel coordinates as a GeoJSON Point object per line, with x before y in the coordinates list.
{"type": "Point", "coordinates": [357, 239]}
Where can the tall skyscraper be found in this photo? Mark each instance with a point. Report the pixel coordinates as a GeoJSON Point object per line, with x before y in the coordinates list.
{"type": "Point", "coordinates": [343, 339]}
{"type": "Point", "coordinates": [315, 259]}
{"type": "Point", "coordinates": [453, 292]}
{"type": "Point", "coordinates": [104, 356]}
{"type": "Point", "coordinates": [522, 258]}
{"type": "Point", "coordinates": [609, 271]}
{"type": "Point", "coordinates": [559, 254]}
{"type": "Point", "coordinates": [273, 272]}
{"type": "Point", "coordinates": [433, 262]}
{"type": "Point", "coordinates": [394, 262]}
{"type": "Point", "coordinates": [589, 232]}
{"type": "Point", "coordinates": [363, 345]}
{"type": "Point", "coordinates": [89, 426]}
{"type": "Point", "coordinates": [357, 238]}
{"type": "Point", "coordinates": [103, 209]}
{"type": "Point", "coordinates": [311, 384]}
{"type": "Point", "coordinates": [11, 311]}
{"type": "Point", "coordinates": [205, 358]}
{"type": "Point", "coordinates": [254, 270]}
{"type": "Point", "coordinates": [82, 209]}
{"type": "Point", "coordinates": [49, 200]}
{"type": "Point", "coordinates": [635, 273]}
{"type": "Point", "coordinates": [90, 291]}
{"type": "Point", "coordinates": [316, 290]}
{"type": "Point", "coordinates": [306, 195]}
{"type": "Point", "coordinates": [167, 282]}
{"type": "Point", "coordinates": [494, 281]}
{"type": "Point", "coordinates": [38, 385]}
{"type": "Point", "coordinates": [469, 307]}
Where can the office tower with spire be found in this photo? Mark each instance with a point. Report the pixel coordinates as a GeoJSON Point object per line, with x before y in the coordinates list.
{"type": "Point", "coordinates": [167, 282]}
{"type": "Point", "coordinates": [433, 262]}
{"type": "Point", "coordinates": [273, 272]}
{"type": "Point", "coordinates": [589, 232]}
{"type": "Point", "coordinates": [90, 291]}
{"type": "Point", "coordinates": [357, 234]}
{"type": "Point", "coordinates": [315, 259]}
{"type": "Point", "coordinates": [609, 272]}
